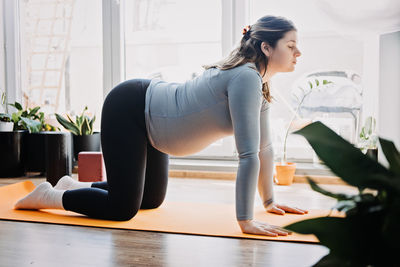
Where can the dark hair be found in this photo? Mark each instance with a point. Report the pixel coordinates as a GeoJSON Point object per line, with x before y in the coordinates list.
{"type": "Point", "coordinates": [269, 29]}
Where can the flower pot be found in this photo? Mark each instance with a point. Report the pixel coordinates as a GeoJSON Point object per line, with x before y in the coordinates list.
{"type": "Point", "coordinates": [284, 173]}
{"type": "Point", "coordinates": [58, 156]}
{"type": "Point", "coordinates": [86, 143]}
{"type": "Point", "coordinates": [11, 153]}
{"type": "Point", "coordinates": [35, 152]}
{"type": "Point", "coordinates": [6, 126]}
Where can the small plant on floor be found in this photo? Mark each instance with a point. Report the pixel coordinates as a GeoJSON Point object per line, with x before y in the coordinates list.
{"type": "Point", "coordinates": [83, 125]}
{"type": "Point", "coordinates": [368, 235]}
{"type": "Point", "coordinates": [313, 84]}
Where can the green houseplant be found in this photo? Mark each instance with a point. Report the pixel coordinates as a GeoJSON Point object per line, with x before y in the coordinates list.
{"type": "Point", "coordinates": [368, 138]}
{"type": "Point", "coordinates": [11, 144]}
{"type": "Point", "coordinates": [12, 141]}
{"type": "Point", "coordinates": [34, 148]}
{"type": "Point", "coordinates": [368, 234]}
{"type": "Point", "coordinates": [285, 170]}
{"type": "Point", "coordinates": [84, 136]}
{"type": "Point", "coordinates": [33, 121]}
{"type": "Point", "coordinates": [6, 125]}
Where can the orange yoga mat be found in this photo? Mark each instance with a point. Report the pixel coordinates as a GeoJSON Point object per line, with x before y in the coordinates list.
{"type": "Point", "coordinates": [170, 217]}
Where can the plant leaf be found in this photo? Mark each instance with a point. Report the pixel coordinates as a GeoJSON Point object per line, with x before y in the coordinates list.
{"type": "Point", "coordinates": [79, 123]}
{"type": "Point", "coordinates": [92, 122]}
{"type": "Point", "coordinates": [325, 82]}
{"type": "Point", "coordinates": [391, 232]}
{"type": "Point", "coordinates": [391, 154]}
{"type": "Point", "coordinates": [16, 116]}
{"type": "Point", "coordinates": [31, 125]}
{"type": "Point", "coordinates": [69, 118]}
{"type": "Point", "coordinates": [86, 127]}
{"type": "Point", "coordinates": [345, 160]}
{"type": "Point", "coordinates": [16, 105]}
{"type": "Point", "coordinates": [345, 205]}
{"type": "Point", "coordinates": [83, 112]}
{"type": "Point", "coordinates": [67, 125]}
{"type": "Point", "coordinates": [342, 243]}
{"type": "Point", "coordinates": [33, 111]}
{"type": "Point", "coordinates": [317, 188]}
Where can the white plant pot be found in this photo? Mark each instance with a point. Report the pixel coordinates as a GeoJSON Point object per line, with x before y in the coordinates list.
{"type": "Point", "coordinates": [6, 126]}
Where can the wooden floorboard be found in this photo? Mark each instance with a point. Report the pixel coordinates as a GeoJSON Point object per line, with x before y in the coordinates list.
{"type": "Point", "coordinates": [39, 244]}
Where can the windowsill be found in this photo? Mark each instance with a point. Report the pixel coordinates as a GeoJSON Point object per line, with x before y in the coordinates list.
{"type": "Point", "coordinates": [226, 169]}
{"type": "Point", "coordinates": [302, 168]}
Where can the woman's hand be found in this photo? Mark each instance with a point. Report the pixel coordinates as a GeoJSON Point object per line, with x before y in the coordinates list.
{"type": "Point", "coordinates": [282, 209]}
{"type": "Point", "coordinates": [262, 228]}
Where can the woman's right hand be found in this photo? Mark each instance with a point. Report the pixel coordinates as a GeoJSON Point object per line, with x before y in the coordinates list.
{"type": "Point", "coordinates": [262, 228]}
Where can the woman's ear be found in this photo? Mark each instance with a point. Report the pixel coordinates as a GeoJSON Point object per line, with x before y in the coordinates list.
{"type": "Point", "coordinates": [266, 49]}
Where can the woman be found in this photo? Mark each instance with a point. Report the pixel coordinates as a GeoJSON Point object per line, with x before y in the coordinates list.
{"type": "Point", "coordinates": [144, 121]}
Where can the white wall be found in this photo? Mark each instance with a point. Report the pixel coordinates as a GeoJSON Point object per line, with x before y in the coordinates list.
{"type": "Point", "coordinates": [389, 88]}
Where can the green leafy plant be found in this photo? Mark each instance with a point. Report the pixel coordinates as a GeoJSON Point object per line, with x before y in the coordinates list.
{"type": "Point", "coordinates": [29, 119]}
{"type": "Point", "coordinates": [4, 116]}
{"type": "Point", "coordinates": [368, 137]}
{"type": "Point", "coordinates": [83, 125]}
{"type": "Point", "coordinates": [313, 84]}
{"type": "Point", "coordinates": [22, 119]}
{"type": "Point", "coordinates": [368, 234]}
{"type": "Point", "coordinates": [3, 101]}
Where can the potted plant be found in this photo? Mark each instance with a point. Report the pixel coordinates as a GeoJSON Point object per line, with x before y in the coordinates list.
{"type": "Point", "coordinates": [6, 125]}
{"type": "Point", "coordinates": [84, 136]}
{"type": "Point", "coordinates": [285, 170]}
{"type": "Point", "coordinates": [368, 233]}
{"type": "Point", "coordinates": [12, 142]}
{"type": "Point", "coordinates": [35, 139]}
{"type": "Point", "coordinates": [368, 138]}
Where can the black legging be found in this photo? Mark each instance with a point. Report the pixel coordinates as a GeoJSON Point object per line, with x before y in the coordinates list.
{"type": "Point", "coordinates": [137, 173]}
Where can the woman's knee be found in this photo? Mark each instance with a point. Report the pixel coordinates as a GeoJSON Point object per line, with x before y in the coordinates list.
{"type": "Point", "coordinates": [125, 214]}
{"type": "Point", "coordinates": [153, 203]}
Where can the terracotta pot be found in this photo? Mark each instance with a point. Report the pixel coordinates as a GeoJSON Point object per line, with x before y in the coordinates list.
{"type": "Point", "coordinates": [284, 173]}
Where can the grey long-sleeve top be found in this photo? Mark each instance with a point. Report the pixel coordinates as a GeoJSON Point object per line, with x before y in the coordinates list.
{"type": "Point", "coordinates": [184, 118]}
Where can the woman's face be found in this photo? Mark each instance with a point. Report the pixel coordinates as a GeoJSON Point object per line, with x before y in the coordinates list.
{"type": "Point", "coordinates": [283, 57]}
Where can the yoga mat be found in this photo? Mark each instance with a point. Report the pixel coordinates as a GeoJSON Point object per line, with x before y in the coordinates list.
{"type": "Point", "coordinates": [171, 217]}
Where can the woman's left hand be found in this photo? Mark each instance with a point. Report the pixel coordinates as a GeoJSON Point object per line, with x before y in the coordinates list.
{"type": "Point", "coordinates": [282, 209]}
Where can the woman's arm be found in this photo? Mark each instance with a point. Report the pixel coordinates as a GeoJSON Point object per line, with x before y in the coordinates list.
{"type": "Point", "coordinates": [245, 98]}
{"type": "Point", "coordinates": [266, 155]}
{"type": "Point", "coordinates": [265, 178]}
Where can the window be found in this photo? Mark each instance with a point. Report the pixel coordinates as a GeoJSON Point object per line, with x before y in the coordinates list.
{"type": "Point", "coordinates": [61, 55]}
{"type": "Point", "coordinates": [171, 40]}
{"type": "Point", "coordinates": [324, 48]}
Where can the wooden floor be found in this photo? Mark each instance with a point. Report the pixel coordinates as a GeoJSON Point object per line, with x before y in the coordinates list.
{"type": "Point", "coordinates": [38, 244]}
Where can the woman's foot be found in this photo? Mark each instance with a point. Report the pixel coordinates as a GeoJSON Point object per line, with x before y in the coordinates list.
{"type": "Point", "coordinates": [43, 197]}
{"type": "Point", "coordinates": [67, 183]}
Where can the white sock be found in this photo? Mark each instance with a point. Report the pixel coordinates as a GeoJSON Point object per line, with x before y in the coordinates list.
{"type": "Point", "coordinates": [67, 183]}
{"type": "Point", "coordinates": [43, 197]}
